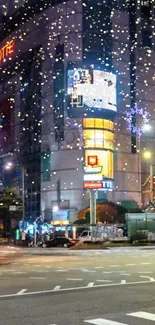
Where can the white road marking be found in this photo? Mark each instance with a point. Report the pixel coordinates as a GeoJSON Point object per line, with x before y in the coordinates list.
{"type": "Point", "coordinates": [146, 263]}
{"type": "Point", "coordinates": [48, 266]}
{"type": "Point", "coordinates": [33, 293]}
{"type": "Point", "coordinates": [102, 321]}
{"type": "Point", "coordinates": [123, 281]}
{"type": "Point", "coordinates": [40, 271]}
{"type": "Point", "coordinates": [125, 274]}
{"type": "Point", "coordinates": [147, 277]}
{"type": "Point", "coordinates": [99, 267]}
{"type": "Point", "coordinates": [74, 279]}
{"type": "Point", "coordinates": [143, 315]}
{"type": "Point", "coordinates": [114, 265]}
{"type": "Point", "coordinates": [20, 293]}
{"type": "Point", "coordinates": [61, 270]}
{"type": "Point", "coordinates": [57, 288]}
{"type": "Point", "coordinates": [90, 285]}
{"type": "Point", "coordinates": [37, 278]}
{"type": "Point", "coordinates": [19, 272]}
{"type": "Point", "coordinates": [90, 271]}
{"type": "Point", "coordinates": [75, 268]}
{"type": "Point", "coordinates": [103, 280]}
{"type": "Point", "coordinates": [107, 272]}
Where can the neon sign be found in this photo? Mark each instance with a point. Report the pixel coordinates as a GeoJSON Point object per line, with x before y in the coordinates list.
{"type": "Point", "coordinates": [6, 50]}
{"type": "Point", "coordinates": [92, 160]}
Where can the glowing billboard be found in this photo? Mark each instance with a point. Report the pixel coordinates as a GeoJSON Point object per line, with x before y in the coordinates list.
{"type": "Point", "coordinates": [105, 162]}
{"type": "Point", "coordinates": [91, 91]}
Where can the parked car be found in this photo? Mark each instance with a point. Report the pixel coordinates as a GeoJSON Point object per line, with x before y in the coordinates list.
{"type": "Point", "coordinates": [59, 242]}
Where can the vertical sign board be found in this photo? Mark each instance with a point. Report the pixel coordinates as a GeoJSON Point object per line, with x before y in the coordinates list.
{"type": "Point", "coordinates": [6, 50]}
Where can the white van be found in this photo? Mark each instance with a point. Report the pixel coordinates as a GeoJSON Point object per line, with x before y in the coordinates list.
{"type": "Point", "coordinates": [86, 235]}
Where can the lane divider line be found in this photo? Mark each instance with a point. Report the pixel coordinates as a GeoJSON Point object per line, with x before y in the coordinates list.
{"type": "Point", "coordinates": [96, 286]}
{"type": "Point", "coordinates": [72, 279]}
{"type": "Point", "coordinates": [102, 321]}
{"type": "Point", "coordinates": [37, 278]}
{"type": "Point", "coordinates": [147, 277]}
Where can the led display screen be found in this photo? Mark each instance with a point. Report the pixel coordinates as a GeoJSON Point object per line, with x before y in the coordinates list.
{"type": "Point", "coordinates": [91, 90]}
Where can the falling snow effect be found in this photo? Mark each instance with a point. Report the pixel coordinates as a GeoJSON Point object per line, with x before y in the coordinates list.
{"type": "Point", "coordinates": [108, 39]}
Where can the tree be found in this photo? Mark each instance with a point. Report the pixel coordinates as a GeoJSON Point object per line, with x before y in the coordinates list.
{"type": "Point", "coordinates": [108, 212]}
{"type": "Point", "coordinates": [8, 197]}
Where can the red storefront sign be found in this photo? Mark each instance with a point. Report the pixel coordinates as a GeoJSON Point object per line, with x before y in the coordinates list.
{"type": "Point", "coordinates": [92, 160]}
{"type": "Point", "coordinates": [93, 185]}
{"type": "Point", "coordinates": [6, 50]}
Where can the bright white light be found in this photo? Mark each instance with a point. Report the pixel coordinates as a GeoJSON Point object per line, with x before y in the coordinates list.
{"type": "Point", "coordinates": [8, 165]}
{"type": "Point", "coordinates": [55, 208]}
{"type": "Point", "coordinates": [147, 127]}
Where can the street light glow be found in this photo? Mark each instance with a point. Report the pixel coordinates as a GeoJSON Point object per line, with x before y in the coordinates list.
{"type": "Point", "coordinates": [147, 127]}
{"type": "Point", "coordinates": [55, 208]}
{"type": "Point", "coordinates": [8, 165]}
{"type": "Point", "coordinates": [147, 154]}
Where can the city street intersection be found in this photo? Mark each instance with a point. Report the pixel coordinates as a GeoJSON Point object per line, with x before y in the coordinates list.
{"type": "Point", "coordinates": [62, 287]}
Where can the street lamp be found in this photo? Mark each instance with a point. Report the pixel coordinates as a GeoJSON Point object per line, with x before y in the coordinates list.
{"type": "Point", "coordinates": [147, 127]}
{"type": "Point", "coordinates": [147, 154]}
{"type": "Point", "coordinates": [8, 165]}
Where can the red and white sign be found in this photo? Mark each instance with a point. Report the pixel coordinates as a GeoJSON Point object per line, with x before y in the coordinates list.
{"type": "Point", "coordinates": [92, 160]}
{"type": "Point", "coordinates": [93, 185]}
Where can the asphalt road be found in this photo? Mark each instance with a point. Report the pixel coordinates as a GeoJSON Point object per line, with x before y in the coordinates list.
{"type": "Point", "coordinates": [114, 288]}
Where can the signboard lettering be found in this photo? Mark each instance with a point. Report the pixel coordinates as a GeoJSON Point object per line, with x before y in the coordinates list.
{"type": "Point", "coordinates": [93, 185]}
{"type": "Point", "coordinates": [6, 50]}
{"type": "Point", "coordinates": [93, 170]}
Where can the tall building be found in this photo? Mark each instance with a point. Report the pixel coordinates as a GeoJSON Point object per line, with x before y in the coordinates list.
{"type": "Point", "coordinates": [53, 125]}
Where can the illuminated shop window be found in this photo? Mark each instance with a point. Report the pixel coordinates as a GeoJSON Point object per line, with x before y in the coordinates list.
{"type": "Point", "coordinates": [98, 123]}
{"type": "Point", "coordinates": [97, 138]}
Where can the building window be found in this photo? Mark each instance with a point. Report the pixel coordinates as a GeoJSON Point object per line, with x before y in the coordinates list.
{"type": "Point", "coordinates": [98, 123]}
{"type": "Point", "coordinates": [96, 138]}
{"type": "Point", "coordinates": [46, 166]}
{"type": "Point", "coordinates": [146, 38]}
{"type": "Point", "coordinates": [146, 32]}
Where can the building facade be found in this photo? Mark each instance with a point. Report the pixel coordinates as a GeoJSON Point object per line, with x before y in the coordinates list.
{"type": "Point", "coordinates": [39, 133]}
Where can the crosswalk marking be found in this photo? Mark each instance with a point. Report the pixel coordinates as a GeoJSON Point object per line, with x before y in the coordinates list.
{"type": "Point", "coordinates": [139, 314]}
{"type": "Point", "coordinates": [101, 321]}
{"type": "Point", "coordinates": [143, 315]}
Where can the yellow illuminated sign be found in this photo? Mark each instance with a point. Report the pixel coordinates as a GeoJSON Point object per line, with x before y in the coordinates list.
{"type": "Point", "coordinates": [105, 160]}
